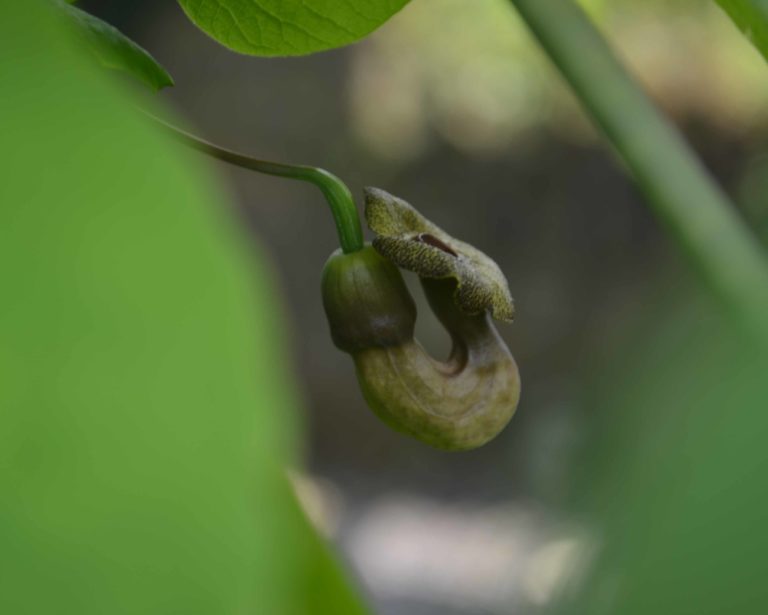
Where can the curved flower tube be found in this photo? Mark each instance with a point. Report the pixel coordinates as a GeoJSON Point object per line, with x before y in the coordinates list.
{"type": "Point", "coordinates": [458, 404]}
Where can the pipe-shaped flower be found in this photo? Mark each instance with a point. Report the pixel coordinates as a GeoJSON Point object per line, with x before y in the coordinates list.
{"type": "Point", "coordinates": [458, 404]}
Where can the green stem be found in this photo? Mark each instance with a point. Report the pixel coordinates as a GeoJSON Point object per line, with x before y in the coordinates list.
{"type": "Point", "coordinates": [682, 194]}
{"type": "Point", "coordinates": [335, 191]}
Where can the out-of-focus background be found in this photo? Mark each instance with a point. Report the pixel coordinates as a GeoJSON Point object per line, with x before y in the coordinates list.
{"type": "Point", "coordinates": [451, 106]}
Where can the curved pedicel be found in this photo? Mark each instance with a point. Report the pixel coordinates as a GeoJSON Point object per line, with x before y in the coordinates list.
{"type": "Point", "coordinates": [458, 404]}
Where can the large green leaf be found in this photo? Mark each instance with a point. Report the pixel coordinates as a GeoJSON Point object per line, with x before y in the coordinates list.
{"type": "Point", "coordinates": [288, 27]}
{"type": "Point", "coordinates": [676, 479]}
{"type": "Point", "coordinates": [115, 50]}
{"type": "Point", "coordinates": [751, 16]}
{"type": "Point", "coordinates": [145, 415]}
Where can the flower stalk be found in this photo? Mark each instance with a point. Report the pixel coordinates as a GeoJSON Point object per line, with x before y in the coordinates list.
{"type": "Point", "coordinates": [336, 192]}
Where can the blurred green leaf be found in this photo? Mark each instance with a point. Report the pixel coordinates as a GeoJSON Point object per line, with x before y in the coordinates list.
{"type": "Point", "coordinates": [115, 50]}
{"type": "Point", "coordinates": [674, 490]}
{"type": "Point", "coordinates": [751, 16]}
{"type": "Point", "coordinates": [288, 27]}
{"type": "Point", "coordinates": [145, 411]}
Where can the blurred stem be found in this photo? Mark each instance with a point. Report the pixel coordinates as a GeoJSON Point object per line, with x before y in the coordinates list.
{"type": "Point", "coordinates": [681, 193]}
{"type": "Point", "coordinates": [335, 191]}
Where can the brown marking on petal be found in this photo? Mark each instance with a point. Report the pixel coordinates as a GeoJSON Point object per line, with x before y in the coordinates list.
{"type": "Point", "coordinates": [433, 241]}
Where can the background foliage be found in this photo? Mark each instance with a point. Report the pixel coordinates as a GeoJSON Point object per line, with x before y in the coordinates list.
{"type": "Point", "coordinates": [752, 17]}
{"type": "Point", "coordinates": [288, 27]}
{"type": "Point", "coordinates": [114, 50]}
{"type": "Point", "coordinates": [145, 412]}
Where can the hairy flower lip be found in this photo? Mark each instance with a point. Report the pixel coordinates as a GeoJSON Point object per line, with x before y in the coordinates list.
{"type": "Point", "coordinates": [412, 242]}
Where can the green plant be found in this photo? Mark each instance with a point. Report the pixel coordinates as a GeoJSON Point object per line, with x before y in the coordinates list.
{"type": "Point", "coordinates": [108, 313]}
